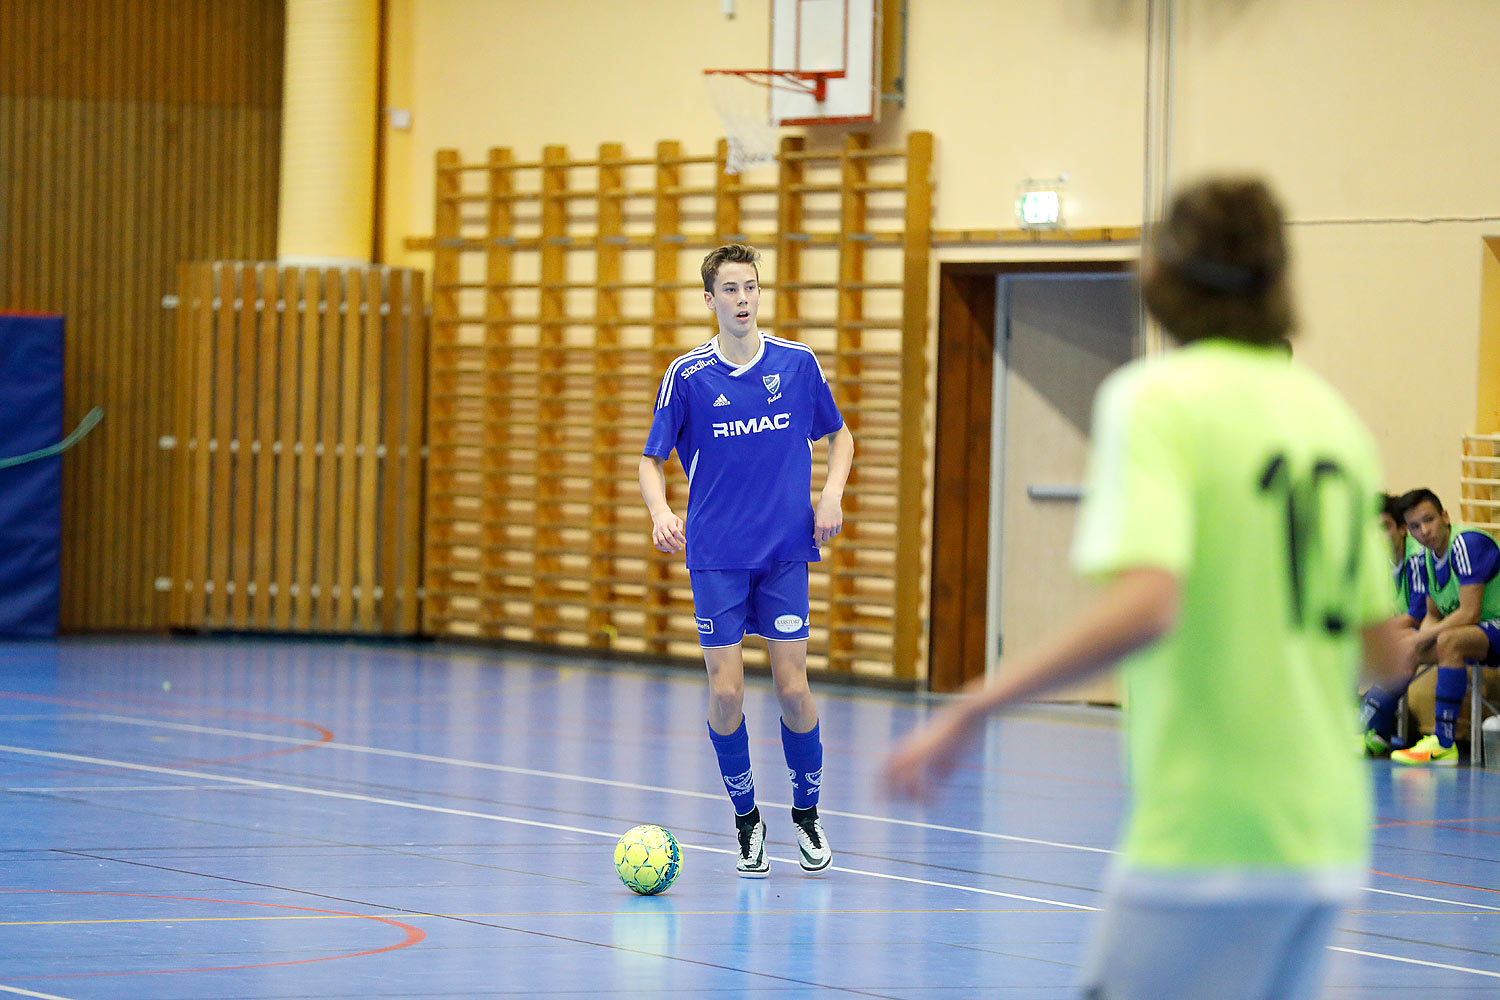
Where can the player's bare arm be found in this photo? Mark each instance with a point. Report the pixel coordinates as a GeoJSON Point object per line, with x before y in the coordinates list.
{"type": "Point", "coordinates": [1470, 599]}
{"type": "Point", "coordinates": [828, 514]}
{"type": "Point", "coordinates": [666, 527]}
{"type": "Point", "coordinates": [1427, 629]}
{"type": "Point", "coordinates": [1137, 608]}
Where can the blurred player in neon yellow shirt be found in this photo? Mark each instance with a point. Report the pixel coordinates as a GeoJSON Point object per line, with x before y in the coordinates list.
{"type": "Point", "coordinates": [1231, 515]}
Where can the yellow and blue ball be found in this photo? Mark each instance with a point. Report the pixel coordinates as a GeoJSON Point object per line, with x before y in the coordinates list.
{"type": "Point", "coordinates": [648, 859]}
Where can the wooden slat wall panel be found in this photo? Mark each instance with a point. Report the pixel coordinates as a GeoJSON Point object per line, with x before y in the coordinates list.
{"type": "Point", "coordinates": [309, 289]}
{"type": "Point", "coordinates": [410, 472]}
{"type": "Point", "coordinates": [367, 451]}
{"type": "Point", "coordinates": [326, 498]}
{"type": "Point", "coordinates": [134, 135]}
{"type": "Point", "coordinates": [220, 365]}
{"type": "Point", "coordinates": [564, 286]}
{"type": "Point", "coordinates": [290, 404]}
{"type": "Point", "coordinates": [239, 456]}
{"type": "Point", "coordinates": [1479, 478]}
{"type": "Point", "coordinates": [298, 476]}
{"type": "Point", "coordinates": [346, 509]}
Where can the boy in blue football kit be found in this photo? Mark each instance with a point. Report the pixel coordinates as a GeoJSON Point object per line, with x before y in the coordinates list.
{"type": "Point", "coordinates": [1378, 712]}
{"type": "Point", "coordinates": [1407, 577]}
{"type": "Point", "coordinates": [742, 412]}
{"type": "Point", "coordinates": [1462, 620]}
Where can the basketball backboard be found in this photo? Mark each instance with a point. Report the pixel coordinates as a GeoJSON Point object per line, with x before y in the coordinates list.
{"type": "Point", "coordinates": [838, 40]}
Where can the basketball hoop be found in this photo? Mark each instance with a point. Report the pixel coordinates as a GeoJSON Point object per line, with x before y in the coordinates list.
{"type": "Point", "coordinates": [741, 97]}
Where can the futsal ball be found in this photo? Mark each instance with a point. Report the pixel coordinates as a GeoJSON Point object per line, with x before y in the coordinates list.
{"type": "Point", "coordinates": [648, 859]}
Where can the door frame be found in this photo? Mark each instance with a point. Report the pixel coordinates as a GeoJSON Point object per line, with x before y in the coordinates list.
{"type": "Point", "coordinates": [958, 619]}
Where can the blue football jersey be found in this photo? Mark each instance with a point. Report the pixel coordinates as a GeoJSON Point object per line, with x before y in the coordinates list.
{"type": "Point", "coordinates": [1411, 586]}
{"type": "Point", "coordinates": [744, 436]}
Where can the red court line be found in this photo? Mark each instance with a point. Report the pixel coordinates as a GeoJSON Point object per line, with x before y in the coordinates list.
{"type": "Point", "coordinates": [199, 713]}
{"type": "Point", "coordinates": [1443, 824]}
{"type": "Point", "coordinates": [1452, 885]}
{"type": "Point", "coordinates": [413, 935]}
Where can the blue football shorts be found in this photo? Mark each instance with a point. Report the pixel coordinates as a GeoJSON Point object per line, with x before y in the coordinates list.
{"type": "Point", "coordinates": [730, 604]}
{"type": "Point", "coordinates": [1491, 630]}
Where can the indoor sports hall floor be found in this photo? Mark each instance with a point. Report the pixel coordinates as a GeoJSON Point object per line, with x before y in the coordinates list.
{"type": "Point", "coordinates": [233, 819]}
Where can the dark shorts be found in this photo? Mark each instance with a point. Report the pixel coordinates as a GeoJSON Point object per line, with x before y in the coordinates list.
{"type": "Point", "coordinates": [1491, 630]}
{"type": "Point", "coordinates": [730, 604]}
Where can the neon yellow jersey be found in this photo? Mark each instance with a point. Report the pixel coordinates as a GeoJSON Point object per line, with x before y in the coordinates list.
{"type": "Point", "coordinates": [1248, 478]}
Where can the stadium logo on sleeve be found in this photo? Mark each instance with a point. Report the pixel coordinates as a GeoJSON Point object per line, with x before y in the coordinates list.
{"type": "Point", "coordinates": [696, 367]}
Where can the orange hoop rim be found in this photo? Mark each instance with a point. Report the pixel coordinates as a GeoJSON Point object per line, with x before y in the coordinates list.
{"type": "Point", "coordinates": [811, 82]}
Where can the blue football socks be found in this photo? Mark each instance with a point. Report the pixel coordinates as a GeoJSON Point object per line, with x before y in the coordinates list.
{"type": "Point", "coordinates": [804, 759]}
{"type": "Point", "coordinates": [734, 764]}
{"type": "Point", "coordinates": [1379, 712]}
{"type": "Point", "coordinates": [1449, 697]}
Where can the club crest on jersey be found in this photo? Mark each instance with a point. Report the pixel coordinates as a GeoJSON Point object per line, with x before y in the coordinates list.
{"type": "Point", "coordinates": [773, 386]}
{"type": "Point", "coordinates": [738, 428]}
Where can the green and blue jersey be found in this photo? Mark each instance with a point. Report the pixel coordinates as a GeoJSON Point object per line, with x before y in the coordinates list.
{"type": "Point", "coordinates": [1472, 558]}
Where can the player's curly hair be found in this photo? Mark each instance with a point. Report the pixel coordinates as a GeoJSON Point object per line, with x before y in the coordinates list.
{"type": "Point", "coordinates": [1216, 266]}
{"type": "Point", "coordinates": [730, 253]}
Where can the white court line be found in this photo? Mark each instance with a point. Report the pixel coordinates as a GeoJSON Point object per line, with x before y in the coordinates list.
{"type": "Point", "coordinates": [612, 783]}
{"type": "Point", "coordinates": [585, 779]}
{"type": "Point", "coordinates": [470, 814]}
{"type": "Point", "coordinates": [1414, 961]}
{"type": "Point", "coordinates": [31, 993]}
{"type": "Point", "coordinates": [1433, 899]}
{"type": "Point", "coordinates": [374, 800]}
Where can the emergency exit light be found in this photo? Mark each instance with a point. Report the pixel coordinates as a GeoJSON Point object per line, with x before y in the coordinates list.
{"type": "Point", "coordinates": [1039, 203]}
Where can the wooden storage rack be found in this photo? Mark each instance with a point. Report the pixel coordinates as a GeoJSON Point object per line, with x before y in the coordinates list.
{"type": "Point", "coordinates": [296, 452]}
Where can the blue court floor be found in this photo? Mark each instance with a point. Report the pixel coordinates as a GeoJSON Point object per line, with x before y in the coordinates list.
{"type": "Point", "coordinates": [236, 819]}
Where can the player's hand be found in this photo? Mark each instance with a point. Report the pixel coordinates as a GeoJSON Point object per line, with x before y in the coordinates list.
{"type": "Point", "coordinates": [667, 534]}
{"type": "Point", "coordinates": [828, 518]}
{"type": "Point", "coordinates": [922, 760]}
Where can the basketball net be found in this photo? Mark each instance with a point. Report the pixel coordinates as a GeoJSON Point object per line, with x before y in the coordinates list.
{"type": "Point", "coordinates": [744, 107]}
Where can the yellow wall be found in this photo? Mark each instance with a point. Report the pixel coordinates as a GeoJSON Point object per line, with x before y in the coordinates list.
{"type": "Point", "coordinates": [326, 210]}
{"type": "Point", "coordinates": [1369, 117]}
